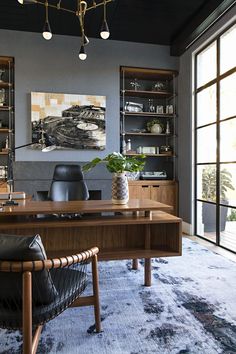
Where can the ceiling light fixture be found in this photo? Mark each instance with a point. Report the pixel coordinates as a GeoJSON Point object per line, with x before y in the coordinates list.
{"type": "Point", "coordinates": [82, 53]}
{"type": "Point", "coordinates": [104, 33]}
{"type": "Point", "coordinates": [83, 6]}
{"type": "Point", "coordinates": [47, 33]}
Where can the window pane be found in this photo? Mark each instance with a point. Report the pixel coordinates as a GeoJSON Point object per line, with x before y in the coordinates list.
{"type": "Point", "coordinates": [206, 182]}
{"type": "Point", "coordinates": [227, 55]}
{"type": "Point", "coordinates": [228, 184]}
{"type": "Point", "coordinates": [206, 65]}
{"type": "Point", "coordinates": [228, 140]}
{"type": "Point", "coordinates": [228, 97]}
{"type": "Point", "coordinates": [228, 228]}
{"type": "Point", "coordinates": [206, 106]}
{"type": "Point", "coordinates": [206, 221]}
{"type": "Point", "coordinates": [206, 144]}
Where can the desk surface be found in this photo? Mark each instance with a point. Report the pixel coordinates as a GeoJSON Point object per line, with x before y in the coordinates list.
{"type": "Point", "coordinates": [90, 206]}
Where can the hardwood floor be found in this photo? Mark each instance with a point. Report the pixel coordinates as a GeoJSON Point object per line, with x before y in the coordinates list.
{"type": "Point", "coordinates": [213, 248]}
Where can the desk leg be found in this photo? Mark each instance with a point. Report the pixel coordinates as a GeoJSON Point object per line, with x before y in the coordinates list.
{"type": "Point", "coordinates": [135, 264]}
{"type": "Point", "coordinates": [147, 272]}
{"type": "Point", "coordinates": [147, 266]}
{"type": "Point", "coordinates": [135, 260]}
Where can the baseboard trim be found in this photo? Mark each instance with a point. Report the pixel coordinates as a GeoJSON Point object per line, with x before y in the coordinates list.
{"type": "Point", "coordinates": [187, 228]}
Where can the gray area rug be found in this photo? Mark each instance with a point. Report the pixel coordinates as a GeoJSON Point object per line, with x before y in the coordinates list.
{"type": "Point", "coordinates": [190, 308]}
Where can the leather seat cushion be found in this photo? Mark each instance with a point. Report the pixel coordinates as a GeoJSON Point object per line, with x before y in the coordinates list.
{"type": "Point", "coordinates": [66, 295]}
{"type": "Point", "coordinates": [24, 248]}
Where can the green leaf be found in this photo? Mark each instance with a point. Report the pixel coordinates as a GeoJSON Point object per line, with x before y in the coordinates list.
{"type": "Point", "coordinates": [116, 162]}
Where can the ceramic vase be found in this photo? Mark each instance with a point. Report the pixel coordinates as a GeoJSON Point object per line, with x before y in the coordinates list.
{"type": "Point", "coordinates": [156, 128]}
{"type": "Point", "coordinates": [120, 189]}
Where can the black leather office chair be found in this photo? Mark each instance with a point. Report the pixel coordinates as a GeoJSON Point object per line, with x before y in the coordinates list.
{"type": "Point", "coordinates": [67, 184]}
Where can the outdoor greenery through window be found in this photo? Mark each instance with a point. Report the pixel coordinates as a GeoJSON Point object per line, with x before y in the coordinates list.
{"type": "Point", "coordinates": [215, 140]}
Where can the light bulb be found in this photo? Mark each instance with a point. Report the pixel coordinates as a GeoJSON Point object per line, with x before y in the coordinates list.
{"type": "Point", "coordinates": [22, 2]}
{"type": "Point", "coordinates": [104, 33]}
{"type": "Point", "coordinates": [47, 33]}
{"type": "Point", "coordinates": [82, 53]}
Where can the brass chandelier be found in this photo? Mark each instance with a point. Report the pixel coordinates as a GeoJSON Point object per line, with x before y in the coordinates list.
{"type": "Point", "coordinates": [82, 8]}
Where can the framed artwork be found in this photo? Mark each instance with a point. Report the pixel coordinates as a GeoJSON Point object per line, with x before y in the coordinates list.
{"type": "Point", "coordinates": [69, 121]}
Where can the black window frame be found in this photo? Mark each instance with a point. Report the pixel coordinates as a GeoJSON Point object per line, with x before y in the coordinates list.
{"type": "Point", "coordinates": [217, 163]}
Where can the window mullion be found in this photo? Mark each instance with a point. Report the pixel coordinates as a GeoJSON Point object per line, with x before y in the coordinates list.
{"type": "Point", "coordinates": [218, 142]}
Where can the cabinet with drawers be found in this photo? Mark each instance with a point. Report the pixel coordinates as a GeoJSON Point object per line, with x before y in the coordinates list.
{"type": "Point", "coordinates": [162, 191]}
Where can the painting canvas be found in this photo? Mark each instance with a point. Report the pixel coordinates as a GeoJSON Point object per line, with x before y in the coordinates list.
{"type": "Point", "coordinates": [68, 121]}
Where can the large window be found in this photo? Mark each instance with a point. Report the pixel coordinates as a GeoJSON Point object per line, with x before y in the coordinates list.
{"type": "Point", "coordinates": [215, 140]}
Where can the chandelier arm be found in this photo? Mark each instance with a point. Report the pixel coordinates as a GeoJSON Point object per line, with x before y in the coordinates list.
{"type": "Point", "coordinates": [80, 15]}
{"type": "Point", "coordinates": [95, 5]}
{"type": "Point", "coordinates": [104, 9]}
{"type": "Point", "coordinates": [59, 7]}
{"type": "Point", "coordinates": [46, 8]}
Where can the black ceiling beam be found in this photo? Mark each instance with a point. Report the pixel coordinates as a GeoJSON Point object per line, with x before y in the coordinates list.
{"type": "Point", "coordinates": [200, 24]}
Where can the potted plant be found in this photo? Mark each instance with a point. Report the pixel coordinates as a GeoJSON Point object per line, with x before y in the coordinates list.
{"type": "Point", "coordinates": [155, 126]}
{"type": "Point", "coordinates": [209, 193]}
{"type": "Point", "coordinates": [119, 164]}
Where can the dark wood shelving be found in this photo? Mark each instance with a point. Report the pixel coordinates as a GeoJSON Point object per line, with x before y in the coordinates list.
{"type": "Point", "coordinates": [5, 108]}
{"type": "Point", "coordinates": [151, 155]}
{"type": "Point", "coordinates": [5, 84]}
{"type": "Point", "coordinates": [6, 61]}
{"type": "Point", "coordinates": [140, 87]}
{"type": "Point", "coordinates": [147, 134]}
{"type": "Point", "coordinates": [148, 74]}
{"type": "Point", "coordinates": [148, 94]}
{"type": "Point", "coordinates": [148, 114]}
{"type": "Point", "coordinates": [7, 117]}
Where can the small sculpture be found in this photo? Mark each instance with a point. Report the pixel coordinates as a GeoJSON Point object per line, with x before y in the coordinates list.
{"type": "Point", "coordinates": [135, 85]}
{"type": "Point", "coordinates": [160, 86]}
{"type": "Point", "coordinates": [2, 96]}
{"type": "Point", "coordinates": [151, 107]}
{"type": "Point", "coordinates": [2, 71]}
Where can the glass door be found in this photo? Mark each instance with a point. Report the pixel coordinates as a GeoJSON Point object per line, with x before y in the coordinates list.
{"type": "Point", "coordinates": [215, 141]}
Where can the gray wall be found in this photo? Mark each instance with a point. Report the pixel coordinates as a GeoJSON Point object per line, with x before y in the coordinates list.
{"type": "Point", "coordinates": [54, 66]}
{"type": "Point", "coordinates": [185, 161]}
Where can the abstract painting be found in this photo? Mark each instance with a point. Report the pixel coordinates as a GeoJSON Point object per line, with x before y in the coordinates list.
{"type": "Point", "coordinates": [68, 121]}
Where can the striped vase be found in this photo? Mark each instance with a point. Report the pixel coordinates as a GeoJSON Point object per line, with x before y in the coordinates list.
{"type": "Point", "coordinates": [120, 189]}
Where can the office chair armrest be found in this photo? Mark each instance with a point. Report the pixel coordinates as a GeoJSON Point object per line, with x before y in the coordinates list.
{"type": "Point", "coordinates": [29, 266]}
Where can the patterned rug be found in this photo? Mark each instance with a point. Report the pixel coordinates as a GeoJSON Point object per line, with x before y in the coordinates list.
{"type": "Point", "coordinates": [190, 308]}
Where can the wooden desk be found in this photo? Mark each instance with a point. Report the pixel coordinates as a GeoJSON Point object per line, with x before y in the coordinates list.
{"type": "Point", "coordinates": [135, 233]}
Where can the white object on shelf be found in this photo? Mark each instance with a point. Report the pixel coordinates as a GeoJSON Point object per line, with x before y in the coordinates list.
{"type": "Point", "coordinates": [139, 150]}
{"type": "Point", "coordinates": [123, 145]}
{"type": "Point", "coordinates": [149, 150]}
{"type": "Point", "coordinates": [128, 145]}
{"type": "Point", "coordinates": [167, 127]}
{"type": "Point", "coordinates": [156, 128]}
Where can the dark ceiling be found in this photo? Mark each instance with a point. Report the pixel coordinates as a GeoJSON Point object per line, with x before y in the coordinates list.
{"type": "Point", "coordinates": [167, 22]}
